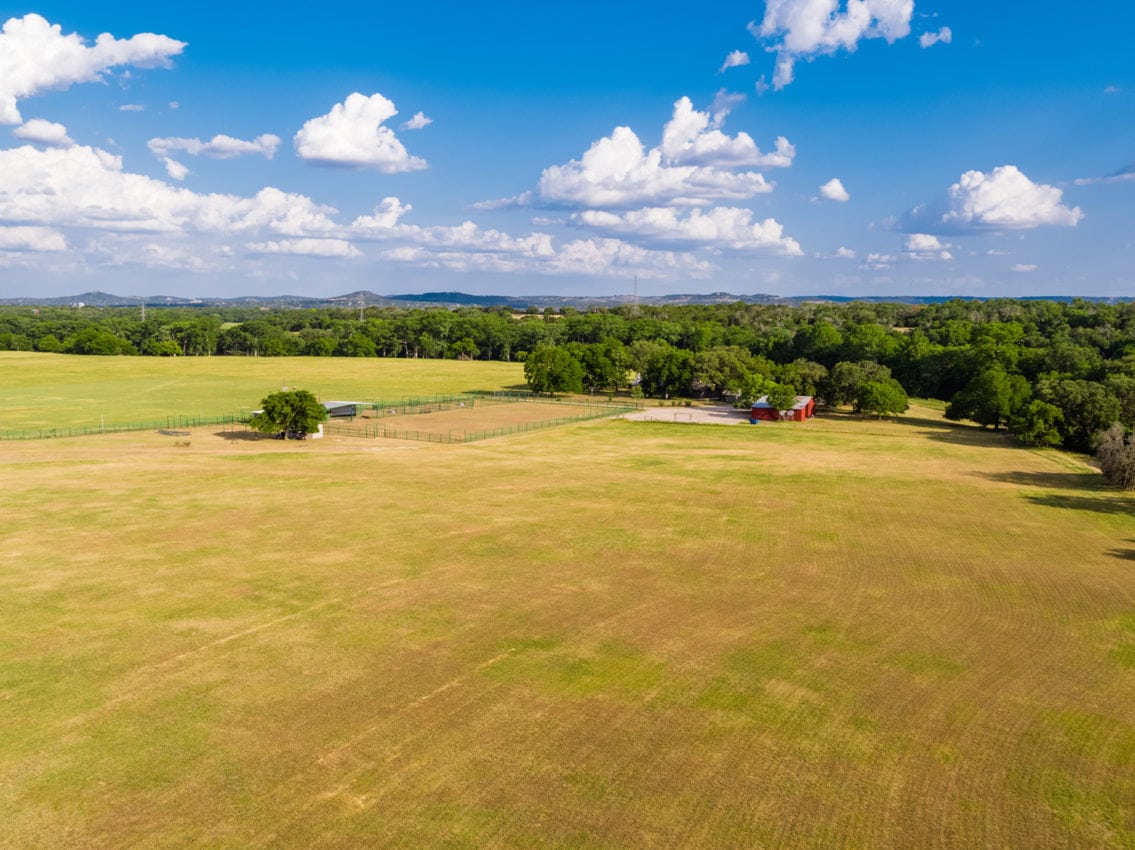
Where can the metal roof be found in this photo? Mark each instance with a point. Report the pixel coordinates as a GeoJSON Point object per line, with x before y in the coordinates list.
{"type": "Point", "coordinates": [801, 402]}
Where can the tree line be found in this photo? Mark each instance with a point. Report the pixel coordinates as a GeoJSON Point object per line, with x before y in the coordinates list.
{"type": "Point", "coordinates": [1051, 373]}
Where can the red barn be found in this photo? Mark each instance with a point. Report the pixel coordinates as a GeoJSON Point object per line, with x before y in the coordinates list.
{"type": "Point", "coordinates": [805, 408]}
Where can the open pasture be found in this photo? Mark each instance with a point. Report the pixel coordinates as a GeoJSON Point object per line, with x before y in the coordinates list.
{"type": "Point", "coordinates": [614, 634]}
{"type": "Point", "coordinates": [58, 390]}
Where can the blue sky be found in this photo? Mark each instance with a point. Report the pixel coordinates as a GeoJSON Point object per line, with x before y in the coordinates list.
{"type": "Point", "coordinates": [877, 147]}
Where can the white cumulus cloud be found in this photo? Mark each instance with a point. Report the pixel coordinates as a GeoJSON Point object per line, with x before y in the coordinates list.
{"type": "Point", "coordinates": [353, 135]}
{"type": "Point", "coordinates": [469, 247]}
{"type": "Point", "coordinates": [929, 39]}
{"type": "Point", "coordinates": [728, 228]}
{"type": "Point", "coordinates": [85, 187]}
{"type": "Point", "coordinates": [419, 121]}
{"type": "Point", "coordinates": [36, 57]}
{"type": "Point", "coordinates": [593, 257]}
{"type": "Point", "coordinates": [925, 246]}
{"type": "Point", "coordinates": [803, 29]}
{"type": "Point", "coordinates": [833, 191]}
{"type": "Point", "coordinates": [81, 205]}
{"type": "Point", "coordinates": [1002, 199]}
{"type": "Point", "coordinates": [735, 59]}
{"type": "Point", "coordinates": [174, 168]}
{"type": "Point", "coordinates": [35, 239]}
{"type": "Point", "coordinates": [307, 248]}
{"type": "Point", "coordinates": [695, 164]}
{"type": "Point", "coordinates": [41, 132]}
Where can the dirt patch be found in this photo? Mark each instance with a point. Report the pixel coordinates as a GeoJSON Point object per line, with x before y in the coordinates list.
{"type": "Point", "coordinates": [718, 414]}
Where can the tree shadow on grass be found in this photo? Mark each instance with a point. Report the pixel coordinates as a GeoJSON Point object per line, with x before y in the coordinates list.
{"type": "Point", "coordinates": [954, 432]}
{"type": "Point", "coordinates": [240, 436]}
{"type": "Point", "coordinates": [934, 424]}
{"type": "Point", "coordinates": [1052, 480]}
{"type": "Point", "coordinates": [1105, 503]}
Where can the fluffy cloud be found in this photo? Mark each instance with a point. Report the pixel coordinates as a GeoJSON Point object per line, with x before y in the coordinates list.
{"type": "Point", "coordinates": [929, 39]}
{"type": "Point", "coordinates": [417, 122]}
{"type": "Point", "coordinates": [833, 191]}
{"type": "Point", "coordinates": [809, 28]}
{"type": "Point", "coordinates": [115, 216]}
{"type": "Point", "coordinates": [877, 262]}
{"type": "Point", "coordinates": [468, 247]}
{"type": "Point", "coordinates": [385, 218]}
{"type": "Point", "coordinates": [728, 228]}
{"type": "Point", "coordinates": [219, 147]}
{"type": "Point", "coordinates": [42, 132]}
{"type": "Point", "coordinates": [326, 248]}
{"type": "Point", "coordinates": [581, 257]}
{"type": "Point", "coordinates": [35, 57]}
{"type": "Point", "coordinates": [85, 187]}
{"type": "Point", "coordinates": [690, 137]}
{"type": "Point", "coordinates": [35, 239]}
{"type": "Point", "coordinates": [696, 164]}
{"type": "Point", "coordinates": [924, 246]}
{"type": "Point", "coordinates": [174, 168]}
{"type": "Point", "coordinates": [352, 135]}
{"type": "Point", "coordinates": [1002, 199]}
{"type": "Point", "coordinates": [841, 253]}
{"type": "Point", "coordinates": [734, 60]}
{"type": "Point", "coordinates": [1023, 267]}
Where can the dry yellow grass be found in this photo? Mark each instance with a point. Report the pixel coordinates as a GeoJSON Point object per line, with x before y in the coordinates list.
{"type": "Point", "coordinates": [845, 633]}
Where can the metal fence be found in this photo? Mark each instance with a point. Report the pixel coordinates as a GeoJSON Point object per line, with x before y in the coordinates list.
{"type": "Point", "coordinates": [585, 410]}
{"type": "Point", "coordinates": [406, 406]}
{"type": "Point", "coordinates": [120, 427]}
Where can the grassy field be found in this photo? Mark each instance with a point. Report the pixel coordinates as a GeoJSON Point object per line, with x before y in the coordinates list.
{"type": "Point", "coordinates": [57, 390]}
{"type": "Point", "coordinates": [613, 634]}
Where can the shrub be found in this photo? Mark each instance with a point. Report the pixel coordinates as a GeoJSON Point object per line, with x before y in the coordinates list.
{"type": "Point", "coordinates": [1115, 451]}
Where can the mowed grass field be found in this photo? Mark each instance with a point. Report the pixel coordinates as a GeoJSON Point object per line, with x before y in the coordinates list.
{"type": "Point", "coordinates": [57, 390]}
{"type": "Point", "coordinates": [605, 635]}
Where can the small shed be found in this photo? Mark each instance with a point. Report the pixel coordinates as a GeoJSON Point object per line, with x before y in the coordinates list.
{"type": "Point", "coordinates": [341, 409]}
{"type": "Point", "coordinates": [804, 408]}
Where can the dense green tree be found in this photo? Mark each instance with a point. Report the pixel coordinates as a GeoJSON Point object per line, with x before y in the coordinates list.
{"type": "Point", "coordinates": [358, 344]}
{"type": "Point", "coordinates": [780, 397]}
{"type": "Point", "coordinates": [805, 375]}
{"type": "Point", "coordinates": [669, 371]}
{"type": "Point", "coordinates": [722, 369]}
{"type": "Point", "coordinates": [95, 340]}
{"type": "Point", "coordinates": [1037, 424]}
{"type": "Point", "coordinates": [49, 342]}
{"type": "Point", "coordinates": [293, 413]}
{"type": "Point", "coordinates": [754, 385]}
{"type": "Point", "coordinates": [841, 385]}
{"type": "Point", "coordinates": [991, 398]}
{"type": "Point", "coordinates": [881, 397]}
{"type": "Point", "coordinates": [553, 369]}
{"type": "Point", "coordinates": [1087, 409]}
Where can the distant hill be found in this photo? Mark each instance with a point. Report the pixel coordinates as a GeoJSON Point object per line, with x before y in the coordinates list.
{"type": "Point", "coordinates": [353, 300]}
